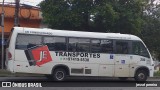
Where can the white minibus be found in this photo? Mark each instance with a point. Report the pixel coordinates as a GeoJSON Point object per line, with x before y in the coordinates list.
{"type": "Point", "coordinates": [62, 53]}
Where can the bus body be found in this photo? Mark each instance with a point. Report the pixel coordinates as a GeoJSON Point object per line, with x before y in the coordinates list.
{"type": "Point", "coordinates": [62, 53]}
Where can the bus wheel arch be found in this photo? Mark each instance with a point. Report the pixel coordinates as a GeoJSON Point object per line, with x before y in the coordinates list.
{"type": "Point", "coordinates": [141, 73]}
{"type": "Point", "coordinates": [60, 70]}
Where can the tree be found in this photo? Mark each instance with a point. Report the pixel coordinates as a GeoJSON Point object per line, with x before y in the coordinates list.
{"type": "Point", "coordinates": [151, 28]}
{"type": "Point", "coordinates": [122, 16]}
{"type": "Point", "coordinates": [138, 17]}
{"type": "Point", "coordinates": [67, 14]}
{"type": "Point", "coordinates": [130, 16]}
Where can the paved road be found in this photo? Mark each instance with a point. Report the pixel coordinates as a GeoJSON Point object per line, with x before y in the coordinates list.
{"type": "Point", "coordinates": [81, 82]}
{"type": "Point", "coordinates": [83, 88]}
{"type": "Point", "coordinates": [73, 83]}
{"type": "Point", "coordinates": [41, 78]}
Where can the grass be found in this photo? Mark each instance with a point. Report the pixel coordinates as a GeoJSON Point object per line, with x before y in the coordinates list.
{"type": "Point", "coordinates": [5, 73]}
{"type": "Point", "coordinates": [157, 73]}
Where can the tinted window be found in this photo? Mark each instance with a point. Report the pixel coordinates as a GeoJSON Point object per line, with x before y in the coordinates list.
{"type": "Point", "coordinates": [55, 43]}
{"type": "Point", "coordinates": [96, 46]}
{"type": "Point", "coordinates": [78, 45]}
{"type": "Point", "coordinates": [101, 46]}
{"type": "Point", "coordinates": [135, 48]}
{"type": "Point", "coordinates": [106, 46]}
{"type": "Point", "coordinates": [122, 47]}
{"type": "Point", "coordinates": [28, 41]}
{"type": "Point", "coordinates": [139, 49]}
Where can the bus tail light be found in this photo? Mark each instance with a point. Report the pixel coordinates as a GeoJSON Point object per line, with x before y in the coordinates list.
{"type": "Point", "coordinates": [9, 56]}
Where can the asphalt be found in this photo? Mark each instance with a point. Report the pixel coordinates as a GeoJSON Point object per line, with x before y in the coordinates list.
{"type": "Point", "coordinates": [43, 78]}
{"type": "Point", "coordinates": [82, 83]}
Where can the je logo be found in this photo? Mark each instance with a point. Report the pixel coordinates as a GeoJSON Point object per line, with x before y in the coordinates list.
{"type": "Point", "coordinates": [38, 55]}
{"type": "Point", "coordinates": [43, 55]}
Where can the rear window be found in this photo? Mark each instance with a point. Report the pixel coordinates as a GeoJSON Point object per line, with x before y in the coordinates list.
{"type": "Point", "coordinates": [24, 42]}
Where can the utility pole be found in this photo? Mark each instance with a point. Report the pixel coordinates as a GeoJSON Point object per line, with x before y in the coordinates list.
{"type": "Point", "coordinates": [2, 26]}
{"type": "Point", "coordinates": [16, 17]}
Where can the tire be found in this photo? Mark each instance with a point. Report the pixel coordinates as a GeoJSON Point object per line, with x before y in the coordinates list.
{"type": "Point", "coordinates": [141, 75]}
{"type": "Point", "coordinates": [123, 78]}
{"type": "Point", "coordinates": [59, 74]}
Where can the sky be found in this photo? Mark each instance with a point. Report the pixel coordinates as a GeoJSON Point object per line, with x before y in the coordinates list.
{"type": "Point", "coordinates": [29, 2]}
{"type": "Point", "coordinates": [34, 2]}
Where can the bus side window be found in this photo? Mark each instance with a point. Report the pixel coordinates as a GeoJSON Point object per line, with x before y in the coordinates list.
{"type": "Point", "coordinates": [49, 41]}
{"type": "Point", "coordinates": [101, 46]}
{"type": "Point", "coordinates": [79, 45]}
{"type": "Point", "coordinates": [72, 44]}
{"type": "Point", "coordinates": [106, 46]}
{"type": "Point", "coordinates": [122, 47]}
{"type": "Point", "coordinates": [95, 46]}
{"type": "Point", "coordinates": [55, 43]}
{"type": "Point", "coordinates": [24, 42]}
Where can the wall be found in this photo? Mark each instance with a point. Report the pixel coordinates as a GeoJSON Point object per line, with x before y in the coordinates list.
{"type": "Point", "coordinates": [28, 17]}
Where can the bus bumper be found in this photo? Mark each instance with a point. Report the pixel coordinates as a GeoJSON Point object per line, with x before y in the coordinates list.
{"type": "Point", "coordinates": [10, 66]}
{"type": "Point", "coordinates": [151, 70]}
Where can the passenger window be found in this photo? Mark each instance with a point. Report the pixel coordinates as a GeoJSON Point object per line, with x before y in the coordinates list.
{"type": "Point", "coordinates": [122, 47]}
{"type": "Point", "coordinates": [55, 43]}
{"type": "Point", "coordinates": [78, 45]}
{"type": "Point", "coordinates": [95, 46]}
{"type": "Point", "coordinates": [106, 46]}
{"type": "Point", "coordinates": [139, 49]}
{"type": "Point", "coordinates": [28, 41]}
{"type": "Point", "coordinates": [101, 46]}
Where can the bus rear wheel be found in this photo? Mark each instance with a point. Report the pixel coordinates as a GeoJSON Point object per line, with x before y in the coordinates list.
{"type": "Point", "coordinates": [59, 74]}
{"type": "Point", "coordinates": [141, 75]}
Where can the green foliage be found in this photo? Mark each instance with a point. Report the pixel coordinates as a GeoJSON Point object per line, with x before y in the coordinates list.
{"type": "Point", "coordinates": [151, 29]}
{"type": "Point", "coordinates": [67, 14]}
{"type": "Point", "coordinates": [129, 13]}
{"type": "Point", "coordinates": [157, 73]}
{"type": "Point", "coordinates": [122, 16]}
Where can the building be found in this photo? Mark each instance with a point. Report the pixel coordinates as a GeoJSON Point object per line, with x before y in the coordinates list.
{"type": "Point", "coordinates": [29, 16]}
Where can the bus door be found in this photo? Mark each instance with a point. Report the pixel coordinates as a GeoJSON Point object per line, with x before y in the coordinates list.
{"type": "Point", "coordinates": [122, 58]}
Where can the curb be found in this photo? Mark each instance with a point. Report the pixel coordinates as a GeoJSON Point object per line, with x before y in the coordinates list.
{"type": "Point", "coordinates": [155, 77]}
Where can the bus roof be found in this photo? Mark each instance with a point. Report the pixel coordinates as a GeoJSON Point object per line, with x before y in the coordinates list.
{"type": "Point", "coordinates": [54, 32]}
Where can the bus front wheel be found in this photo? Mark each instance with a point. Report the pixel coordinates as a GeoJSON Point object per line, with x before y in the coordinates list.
{"type": "Point", "coordinates": [141, 75]}
{"type": "Point", "coordinates": [59, 74]}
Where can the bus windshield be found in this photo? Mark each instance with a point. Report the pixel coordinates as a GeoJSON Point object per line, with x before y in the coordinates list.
{"type": "Point", "coordinates": [139, 49]}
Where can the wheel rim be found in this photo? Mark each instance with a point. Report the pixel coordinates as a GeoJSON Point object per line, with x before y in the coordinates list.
{"type": "Point", "coordinates": [141, 76]}
{"type": "Point", "coordinates": [59, 75]}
